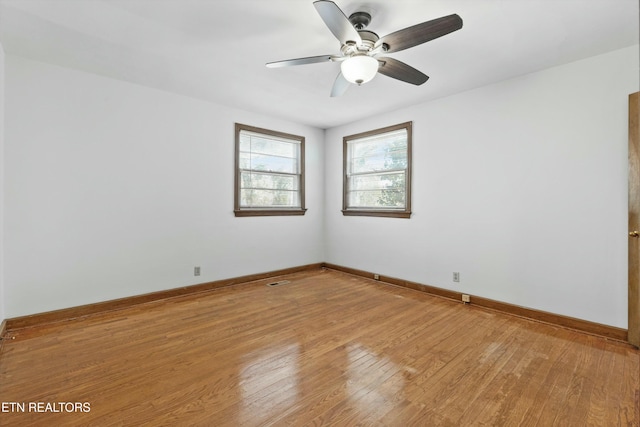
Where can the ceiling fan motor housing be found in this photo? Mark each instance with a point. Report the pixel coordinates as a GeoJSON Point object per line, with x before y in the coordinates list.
{"type": "Point", "coordinates": [369, 39]}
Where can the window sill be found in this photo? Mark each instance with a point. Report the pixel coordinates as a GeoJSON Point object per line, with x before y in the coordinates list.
{"type": "Point", "coordinates": [268, 212]}
{"type": "Point", "coordinates": [386, 214]}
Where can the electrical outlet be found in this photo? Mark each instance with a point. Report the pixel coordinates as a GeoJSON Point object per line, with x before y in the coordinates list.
{"type": "Point", "coordinates": [196, 271]}
{"type": "Point", "coordinates": [466, 298]}
{"type": "Point", "coordinates": [376, 277]}
{"type": "Point", "coordinates": [456, 276]}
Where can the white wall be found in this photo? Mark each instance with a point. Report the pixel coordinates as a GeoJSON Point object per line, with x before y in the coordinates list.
{"type": "Point", "coordinates": [520, 186]}
{"type": "Point", "coordinates": [114, 189]}
{"type": "Point", "coordinates": [2, 303]}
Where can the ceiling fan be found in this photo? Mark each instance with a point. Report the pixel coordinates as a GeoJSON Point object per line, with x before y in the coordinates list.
{"type": "Point", "coordinates": [361, 47]}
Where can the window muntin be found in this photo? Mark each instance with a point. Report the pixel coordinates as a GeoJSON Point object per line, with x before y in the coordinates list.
{"type": "Point", "coordinates": [377, 172]}
{"type": "Point", "coordinates": [269, 172]}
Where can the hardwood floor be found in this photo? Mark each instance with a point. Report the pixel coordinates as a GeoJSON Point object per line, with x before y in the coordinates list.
{"type": "Point", "coordinates": [327, 348]}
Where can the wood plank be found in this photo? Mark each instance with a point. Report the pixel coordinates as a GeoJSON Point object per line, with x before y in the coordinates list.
{"type": "Point", "coordinates": [327, 348]}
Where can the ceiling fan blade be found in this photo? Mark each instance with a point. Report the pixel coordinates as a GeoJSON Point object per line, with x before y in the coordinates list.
{"type": "Point", "coordinates": [420, 33]}
{"type": "Point", "coordinates": [399, 70]}
{"type": "Point", "coordinates": [303, 61]}
{"type": "Point", "coordinates": [340, 86]}
{"type": "Point", "coordinates": [337, 22]}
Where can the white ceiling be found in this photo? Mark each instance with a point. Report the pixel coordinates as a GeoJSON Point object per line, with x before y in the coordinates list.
{"type": "Point", "coordinates": [216, 49]}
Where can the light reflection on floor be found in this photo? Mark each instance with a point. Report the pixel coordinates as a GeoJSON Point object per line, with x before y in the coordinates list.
{"type": "Point", "coordinates": [269, 382]}
{"type": "Point", "coordinates": [377, 393]}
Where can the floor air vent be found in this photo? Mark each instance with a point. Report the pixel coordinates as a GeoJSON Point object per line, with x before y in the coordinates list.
{"type": "Point", "coordinates": [281, 282]}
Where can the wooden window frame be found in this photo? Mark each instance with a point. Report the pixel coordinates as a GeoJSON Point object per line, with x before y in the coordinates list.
{"type": "Point", "coordinates": [384, 212]}
{"type": "Point", "coordinates": [267, 211]}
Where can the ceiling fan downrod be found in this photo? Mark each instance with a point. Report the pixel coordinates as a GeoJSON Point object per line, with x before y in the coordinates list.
{"type": "Point", "coordinates": [360, 20]}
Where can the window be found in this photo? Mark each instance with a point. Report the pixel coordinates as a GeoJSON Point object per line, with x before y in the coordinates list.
{"type": "Point", "coordinates": [269, 177]}
{"type": "Point", "coordinates": [377, 172]}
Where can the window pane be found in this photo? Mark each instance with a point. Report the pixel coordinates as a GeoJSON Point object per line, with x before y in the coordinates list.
{"type": "Point", "coordinates": [264, 162]}
{"type": "Point", "coordinates": [245, 142]}
{"type": "Point", "coordinates": [381, 190]}
{"type": "Point", "coordinates": [256, 198]}
{"type": "Point", "coordinates": [388, 151]}
{"type": "Point", "coordinates": [386, 181]}
{"type": "Point", "coordinates": [367, 144]}
{"type": "Point", "coordinates": [269, 181]}
{"type": "Point", "coordinates": [381, 199]}
{"type": "Point", "coordinates": [276, 148]}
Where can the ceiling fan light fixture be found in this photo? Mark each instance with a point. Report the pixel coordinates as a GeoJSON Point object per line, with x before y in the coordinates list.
{"type": "Point", "coordinates": [359, 69]}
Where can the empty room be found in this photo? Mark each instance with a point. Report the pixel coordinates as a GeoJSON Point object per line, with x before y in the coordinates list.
{"type": "Point", "coordinates": [298, 212]}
